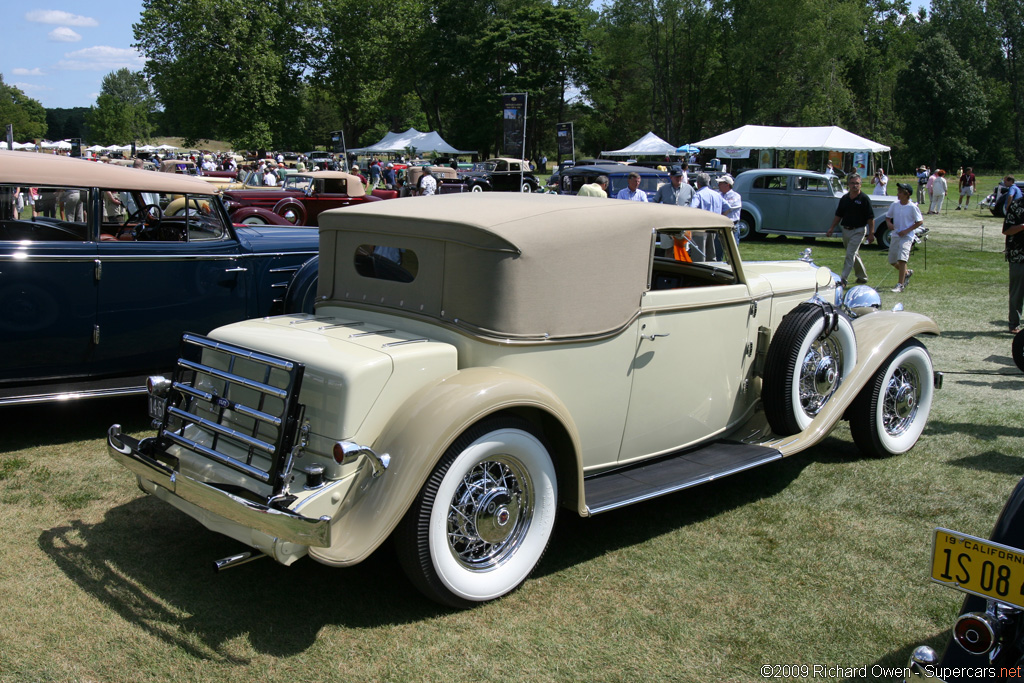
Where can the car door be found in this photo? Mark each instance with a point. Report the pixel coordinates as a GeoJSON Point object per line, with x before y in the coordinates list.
{"type": "Point", "coordinates": [47, 292]}
{"type": "Point", "coordinates": [770, 194]}
{"type": "Point", "coordinates": [812, 204]}
{"type": "Point", "coordinates": [153, 288]}
{"type": "Point", "coordinates": [692, 363]}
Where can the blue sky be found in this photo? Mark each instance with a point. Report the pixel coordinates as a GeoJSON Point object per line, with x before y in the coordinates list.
{"type": "Point", "coordinates": [58, 51]}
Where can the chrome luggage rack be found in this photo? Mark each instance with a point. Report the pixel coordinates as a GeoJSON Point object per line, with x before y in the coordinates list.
{"type": "Point", "coordinates": [244, 405]}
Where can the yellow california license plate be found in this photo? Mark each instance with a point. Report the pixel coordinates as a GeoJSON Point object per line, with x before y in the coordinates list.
{"type": "Point", "coordinates": [977, 566]}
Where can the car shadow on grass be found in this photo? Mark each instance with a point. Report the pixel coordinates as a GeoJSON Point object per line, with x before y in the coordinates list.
{"type": "Point", "coordinates": [50, 424]}
{"type": "Point", "coordinates": [152, 565]}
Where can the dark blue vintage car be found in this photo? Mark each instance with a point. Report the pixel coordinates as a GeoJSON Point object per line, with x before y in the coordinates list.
{"type": "Point", "coordinates": [103, 267]}
{"type": "Point", "coordinates": [572, 179]}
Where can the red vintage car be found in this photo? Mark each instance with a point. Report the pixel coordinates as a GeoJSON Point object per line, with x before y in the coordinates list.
{"type": "Point", "coordinates": [301, 200]}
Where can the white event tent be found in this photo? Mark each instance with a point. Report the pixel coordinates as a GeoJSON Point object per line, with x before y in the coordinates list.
{"type": "Point", "coordinates": [648, 145]}
{"type": "Point", "coordinates": [813, 138]}
{"type": "Point", "coordinates": [396, 143]}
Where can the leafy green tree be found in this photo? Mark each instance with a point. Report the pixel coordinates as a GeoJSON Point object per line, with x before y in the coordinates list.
{"type": "Point", "coordinates": [941, 100]}
{"type": "Point", "coordinates": [123, 109]}
{"type": "Point", "coordinates": [1006, 16]}
{"type": "Point", "coordinates": [25, 114]}
{"type": "Point", "coordinates": [229, 68]}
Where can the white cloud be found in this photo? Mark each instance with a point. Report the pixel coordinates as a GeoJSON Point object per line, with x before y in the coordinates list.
{"type": "Point", "coordinates": [28, 72]}
{"type": "Point", "coordinates": [62, 34]}
{"type": "Point", "coordinates": [101, 58]}
{"type": "Point", "coordinates": [30, 88]}
{"type": "Point", "coordinates": [52, 16]}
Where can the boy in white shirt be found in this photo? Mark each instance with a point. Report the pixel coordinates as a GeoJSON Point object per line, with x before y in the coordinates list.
{"type": "Point", "coordinates": [903, 218]}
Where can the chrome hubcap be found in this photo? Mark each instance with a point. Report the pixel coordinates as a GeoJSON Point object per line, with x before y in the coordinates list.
{"type": "Point", "coordinates": [899, 404]}
{"type": "Point", "coordinates": [490, 513]}
{"type": "Point", "coordinates": [820, 374]}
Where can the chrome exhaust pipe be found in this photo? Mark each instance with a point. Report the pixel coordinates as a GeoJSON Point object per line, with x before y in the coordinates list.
{"type": "Point", "coordinates": [236, 560]}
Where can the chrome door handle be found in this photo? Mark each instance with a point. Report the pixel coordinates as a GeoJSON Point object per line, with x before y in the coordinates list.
{"type": "Point", "coordinates": [652, 337]}
{"type": "Point", "coordinates": [236, 270]}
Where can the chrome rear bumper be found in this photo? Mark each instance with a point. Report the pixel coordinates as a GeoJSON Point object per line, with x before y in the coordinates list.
{"type": "Point", "coordinates": [284, 525]}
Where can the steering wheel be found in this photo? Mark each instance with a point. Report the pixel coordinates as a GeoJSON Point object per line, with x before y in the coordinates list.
{"type": "Point", "coordinates": [148, 217]}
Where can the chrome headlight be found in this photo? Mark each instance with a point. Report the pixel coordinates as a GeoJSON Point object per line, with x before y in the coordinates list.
{"type": "Point", "coordinates": [861, 300]}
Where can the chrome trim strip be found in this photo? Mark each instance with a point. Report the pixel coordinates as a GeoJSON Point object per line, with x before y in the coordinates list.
{"type": "Point", "coordinates": [343, 324]}
{"type": "Point", "coordinates": [400, 343]}
{"type": "Point", "coordinates": [22, 256]}
{"type": "Point", "coordinates": [234, 379]}
{"type": "Point", "coordinates": [238, 351]}
{"type": "Point", "coordinates": [370, 333]}
{"type": "Point", "coordinates": [225, 460]}
{"type": "Point", "coordinates": [684, 485]}
{"type": "Point", "coordinates": [282, 524]}
{"type": "Point", "coordinates": [222, 430]}
{"type": "Point", "coordinates": [72, 396]}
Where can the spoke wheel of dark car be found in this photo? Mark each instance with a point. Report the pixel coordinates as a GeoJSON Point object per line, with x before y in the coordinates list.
{"type": "Point", "coordinates": [477, 188]}
{"type": "Point", "coordinates": [291, 210]}
{"type": "Point", "coordinates": [811, 354]}
{"type": "Point", "coordinates": [482, 521]}
{"type": "Point", "coordinates": [889, 414]}
{"type": "Point", "coordinates": [527, 188]}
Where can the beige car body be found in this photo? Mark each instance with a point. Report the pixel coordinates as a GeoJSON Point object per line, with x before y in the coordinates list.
{"type": "Point", "coordinates": [546, 308]}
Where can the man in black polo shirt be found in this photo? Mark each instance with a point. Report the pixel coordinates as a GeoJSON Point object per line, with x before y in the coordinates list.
{"type": "Point", "coordinates": [858, 220]}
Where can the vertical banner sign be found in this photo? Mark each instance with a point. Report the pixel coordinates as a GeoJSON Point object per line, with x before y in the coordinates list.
{"type": "Point", "coordinates": [135, 152]}
{"type": "Point", "coordinates": [76, 147]}
{"type": "Point", "coordinates": [566, 145]}
{"type": "Point", "coordinates": [513, 115]}
{"type": "Point", "coordinates": [338, 147]}
{"type": "Point", "coordinates": [10, 136]}
{"type": "Point", "coordinates": [860, 163]}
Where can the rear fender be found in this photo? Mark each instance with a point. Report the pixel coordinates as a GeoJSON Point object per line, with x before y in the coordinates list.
{"type": "Point", "coordinates": [301, 293]}
{"type": "Point", "coordinates": [423, 429]}
{"type": "Point", "coordinates": [269, 217]}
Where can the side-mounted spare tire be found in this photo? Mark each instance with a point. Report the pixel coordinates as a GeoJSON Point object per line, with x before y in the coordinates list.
{"type": "Point", "coordinates": [811, 354]}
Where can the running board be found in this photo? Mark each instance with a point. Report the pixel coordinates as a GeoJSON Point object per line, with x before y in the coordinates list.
{"type": "Point", "coordinates": [619, 488]}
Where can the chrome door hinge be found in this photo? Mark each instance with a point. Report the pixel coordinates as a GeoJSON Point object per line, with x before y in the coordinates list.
{"type": "Point", "coordinates": [97, 270]}
{"type": "Point", "coordinates": [753, 309]}
{"type": "Point", "coordinates": [96, 334]}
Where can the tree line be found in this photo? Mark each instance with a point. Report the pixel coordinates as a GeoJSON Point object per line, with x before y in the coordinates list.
{"type": "Point", "coordinates": [943, 87]}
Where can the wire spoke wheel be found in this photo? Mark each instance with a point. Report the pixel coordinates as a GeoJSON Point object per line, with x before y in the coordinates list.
{"type": "Point", "coordinates": [490, 513]}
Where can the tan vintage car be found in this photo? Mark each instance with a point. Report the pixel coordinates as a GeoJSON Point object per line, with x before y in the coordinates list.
{"type": "Point", "coordinates": [478, 362]}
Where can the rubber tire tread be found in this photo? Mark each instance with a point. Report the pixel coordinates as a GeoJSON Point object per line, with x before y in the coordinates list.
{"type": "Point", "coordinates": [781, 367]}
{"type": "Point", "coordinates": [411, 534]}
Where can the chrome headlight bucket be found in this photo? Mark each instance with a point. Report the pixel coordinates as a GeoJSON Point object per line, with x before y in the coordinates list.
{"type": "Point", "coordinates": [861, 300]}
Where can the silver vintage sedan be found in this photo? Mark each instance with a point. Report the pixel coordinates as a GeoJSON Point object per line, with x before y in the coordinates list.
{"type": "Point", "coordinates": [786, 201]}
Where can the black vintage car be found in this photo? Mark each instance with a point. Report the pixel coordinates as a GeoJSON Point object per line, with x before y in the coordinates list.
{"type": "Point", "coordinates": [103, 267]}
{"type": "Point", "coordinates": [988, 635]}
{"type": "Point", "coordinates": [501, 175]}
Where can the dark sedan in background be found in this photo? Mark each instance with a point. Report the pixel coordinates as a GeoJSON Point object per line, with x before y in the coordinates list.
{"type": "Point", "coordinates": [103, 267]}
{"type": "Point", "coordinates": [572, 179]}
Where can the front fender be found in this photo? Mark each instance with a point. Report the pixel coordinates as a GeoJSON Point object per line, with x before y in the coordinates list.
{"type": "Point", "coordinates": [301, 293]}
{"type": "Point", "coordinates": [269, 217]}
{"type": "Point", "coordinates": [755, 213]}
{"type": "Point", "coordinates": [418, 436]}
{"type": "Point", "coordinates": [878, 335]}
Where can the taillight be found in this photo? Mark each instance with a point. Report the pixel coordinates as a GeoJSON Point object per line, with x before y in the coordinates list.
{"type": "Point", "coordinates": [976, 632]}
{"type": "Point", "coordinates": [157, 386]}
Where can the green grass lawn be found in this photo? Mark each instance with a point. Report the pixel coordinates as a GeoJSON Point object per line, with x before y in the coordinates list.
{"type": "Point", "coordinates": [820, 559]}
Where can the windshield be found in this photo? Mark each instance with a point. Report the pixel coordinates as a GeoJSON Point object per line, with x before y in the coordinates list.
{"type": "Point", "coordinates": [297, 182]}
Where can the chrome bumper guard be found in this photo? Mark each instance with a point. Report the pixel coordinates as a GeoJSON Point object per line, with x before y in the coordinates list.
{"type": "Point", "coordinates": [281, 524]}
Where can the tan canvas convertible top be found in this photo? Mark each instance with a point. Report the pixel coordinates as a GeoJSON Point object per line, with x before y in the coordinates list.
{"type": "Point", "coordinates": [514, 266]}
{"type": "Point", "coordinates": [33, 169]}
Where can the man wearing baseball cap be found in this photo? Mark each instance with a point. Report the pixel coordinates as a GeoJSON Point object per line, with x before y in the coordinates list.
{"type": "Point", "coordinates": [732, 201]}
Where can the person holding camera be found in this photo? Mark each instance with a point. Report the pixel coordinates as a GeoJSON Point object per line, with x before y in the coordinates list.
{"type": "Point", "coordinates": [880, 181]}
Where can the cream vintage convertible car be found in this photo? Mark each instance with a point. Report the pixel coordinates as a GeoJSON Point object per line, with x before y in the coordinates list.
{"type": "Point", "coordinates": [477, 362]}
